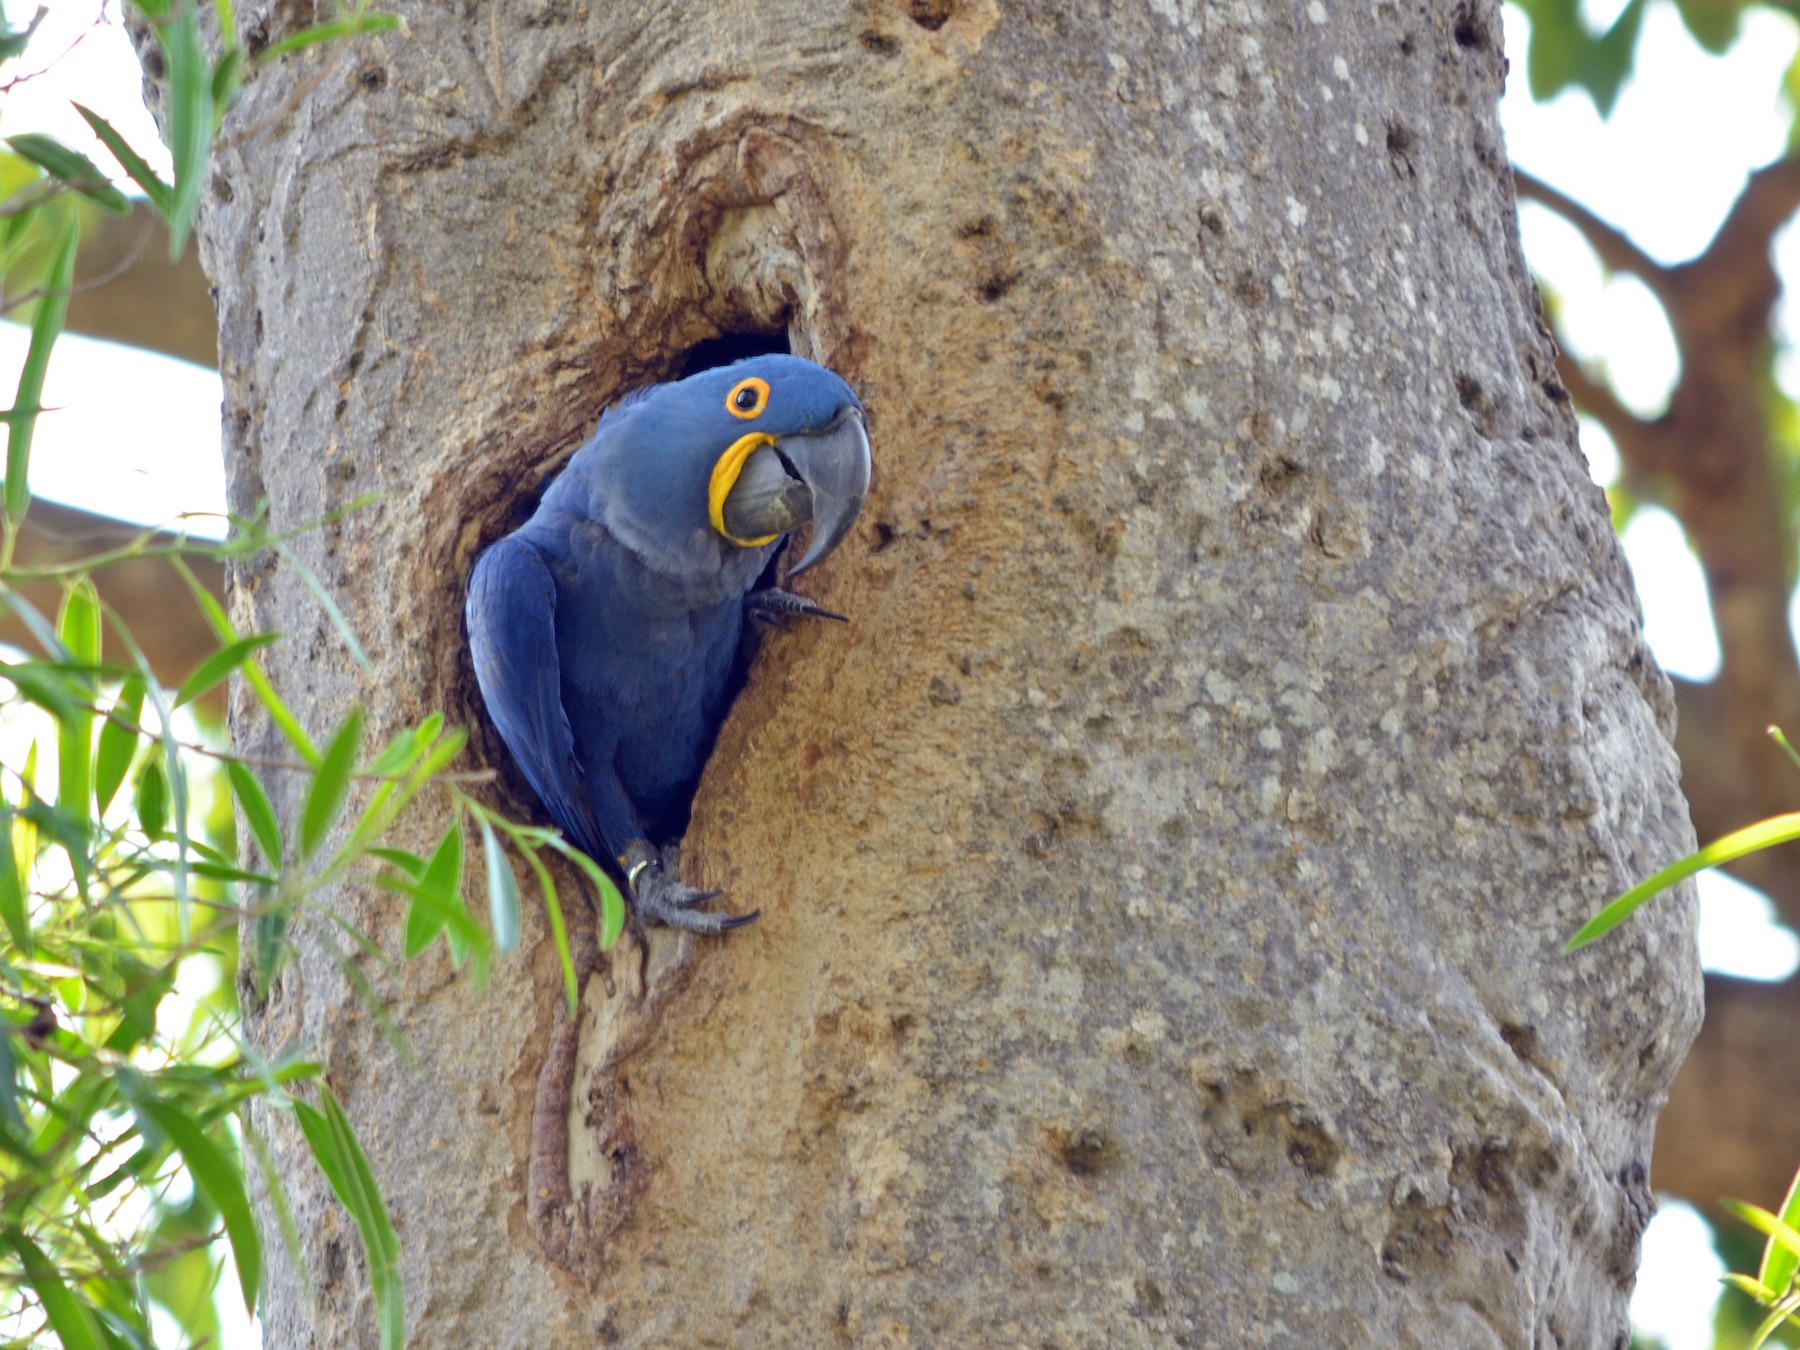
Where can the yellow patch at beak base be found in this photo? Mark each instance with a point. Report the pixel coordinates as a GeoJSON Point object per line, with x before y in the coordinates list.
{"type": "Point", "coordinates": [724, 478]}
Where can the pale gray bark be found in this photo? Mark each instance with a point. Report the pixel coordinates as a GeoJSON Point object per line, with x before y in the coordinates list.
{"type": "Point", "coordinates": [1163, 879]}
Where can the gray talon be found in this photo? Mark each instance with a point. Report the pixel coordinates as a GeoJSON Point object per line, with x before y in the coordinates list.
{"type": "Point", "coordinates": [660, 896]}
{"type": "Point", "coordinates": [772, 608]}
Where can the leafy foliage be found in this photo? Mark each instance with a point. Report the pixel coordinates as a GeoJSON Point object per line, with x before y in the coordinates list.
{"type": "Point", "coordinates": [1565, 52]}
{"type": "Point", "coordinates": [124, 1073]}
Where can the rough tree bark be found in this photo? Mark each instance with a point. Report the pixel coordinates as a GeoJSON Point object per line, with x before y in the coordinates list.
{"type": "Point", "coordinates": [1163, 878]}
{"type": "Point", "coordinates": [1718, 458]}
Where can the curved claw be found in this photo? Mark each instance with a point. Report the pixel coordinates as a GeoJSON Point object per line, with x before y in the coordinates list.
{"type": "Point", "coordinates": [660, 896]}
{"type": "Point", "coordinates": [773, 607]}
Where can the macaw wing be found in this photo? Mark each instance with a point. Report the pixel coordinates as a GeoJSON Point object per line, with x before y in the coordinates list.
{"type": "Point", "coordinates": [511, 615]}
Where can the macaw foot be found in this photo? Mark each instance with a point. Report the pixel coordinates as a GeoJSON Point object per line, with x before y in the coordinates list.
{"type": "Point", "coordinates": [772, 608]}
{"type": "Point", "coordinates": [660, 896]}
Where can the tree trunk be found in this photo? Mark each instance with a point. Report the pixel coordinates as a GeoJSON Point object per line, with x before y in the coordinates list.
{"type": "Point", "coordinates": [1163, 878]}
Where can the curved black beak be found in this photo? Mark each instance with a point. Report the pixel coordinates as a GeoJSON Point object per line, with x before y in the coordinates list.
{"type": "Point", "coordinates": [834, 464]}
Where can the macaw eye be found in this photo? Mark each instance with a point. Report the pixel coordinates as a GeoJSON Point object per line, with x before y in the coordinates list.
{"type": "Point", "coordinates": [747, 398]}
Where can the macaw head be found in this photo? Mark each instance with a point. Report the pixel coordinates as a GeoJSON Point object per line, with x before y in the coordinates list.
{"type": "Point", "coordinates": [732, 459]}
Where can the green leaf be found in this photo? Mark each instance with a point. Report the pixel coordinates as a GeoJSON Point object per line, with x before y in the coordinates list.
{"type": "Point", "coordinates": [348, 26]}
{"type": "Point", "coordinates": [1607, 60]}
{"type": "Point", "coordinates": [46, 325]}
{"type": "Point", "coordinates": [278, 711]}
{"type": "Point", "coordinates": [219, 665]}
{"type": "Point", "coordinates": [410, 863]}
{"type": "Point", "coordinates": [221, 1182]}
{"type": "Point", "coordinates": [558, 930]}
{"type": "Point", "coordinates": [71, 167]}
{"type": "Point", "coordinates": [153, 800]}
{"type": "Point", "coordinates": [14, 897]}
{"type": "Point", "coordinates": [437, 896]}
{"type": "Point", "coordinates": [227, 80]}
{"type": "Point", "coordinates": [1714, 26]}
{"type": "Point", "coordinates": [10, 1118]}
{"type": "Point", "coordinates": [259, 815]}
{"type": "Point", "coordinates": [45, 685]}
{"type": "Point", "coordinates": [1763, 834]}
{"type": "Point", "coordinates": [1780, 1259]}
{"type": "Point", "coordinates": [15, 40]}
{"type": "Point", "coordinates": [330, 784]}
{"type": "Point", "coordinates": [72, 1321]}
{"type": "Point", "coordinates": [346, 1167]}
{"type": "Point", "coordinates": [1745, 1284]}
{"type": "Point", "coordinates": [79, 629]}
{"type": "Point", "coordinates": [612, 904]}
{"type": "Point", "coordinates": [161, 195]}
{"type": "Point", "coordinates": [1781, 1237]}
{"type": "Point", "coordinates": [432, 912]}
{"type": "Point", "coordinates": [188, 108]}
{"type": "Point", "coordinates": [503, 891]}
{"type": "Point", "coordinates": [1784, 1308]}
{"type": "Point", "coordinates": [118, 743]}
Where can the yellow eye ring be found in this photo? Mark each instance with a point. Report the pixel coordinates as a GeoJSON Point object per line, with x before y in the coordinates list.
{"type": "Point", "coordinates": [748, 397]}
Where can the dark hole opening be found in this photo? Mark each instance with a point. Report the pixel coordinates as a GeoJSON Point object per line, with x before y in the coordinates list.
{"type": "Point", "coordinates": [728, 347]}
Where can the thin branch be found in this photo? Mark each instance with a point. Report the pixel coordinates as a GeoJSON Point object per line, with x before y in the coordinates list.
{"type": "Point", "coordinates": [1615, 248]}
{"type": "Point", "coordinates": [1767, 203]}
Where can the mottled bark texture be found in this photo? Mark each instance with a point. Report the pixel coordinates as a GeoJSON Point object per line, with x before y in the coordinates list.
{"type": "Point", "coordinates": [1163, 877]}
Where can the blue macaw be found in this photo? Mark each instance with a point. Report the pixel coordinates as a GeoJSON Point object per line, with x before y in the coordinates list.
{"type": "Point", "coordinates": [609, 631]}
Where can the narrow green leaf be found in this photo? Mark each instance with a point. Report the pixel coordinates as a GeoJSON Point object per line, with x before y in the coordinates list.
{"type": "Point", "coordinates": [15, 40]}
{"type": "Point", "coordinates": [503, 892]}
{"type": "Point", "coordinates": [1784, 1308]}
{"type": "Point", "coordinates": [118, 743]}
{"type": "Point", "coordinates": [72, 1321]}
{"type": "Point", "coordinates": [14, 896]}
{"type": "Point", "coordinates": [410, 863]}
{"type": "Point", "coordinates": [349, 26]}
{"type": "Point", "coordinates": [437, 898]}
{"type": "Point", "coordinates": [612, 903]}
{"type": "Point", "coordinates": [444, 872]}
{"type": "Point", "coordinates": [1780, 1261]}
{"type": "Point", "coordinates": [346, 1167]}
{"type": "Point", "coordinates": [1763, 834]}
{"type": "Point", "coordinates": [79, 628]}
{"type": "Point", "coordinates": [79, 625]}
{"type": "Point", "coordinates": [46, 325]}
{"type": "Point", "coordinates": [423, 923]}
{"type": "Point", "coordinates": [436, 911]}
{"type": "Point", "coordinates": [558, 930]}
{"type": "Point", "coordinates": [221, 1181]}
{"type": "Point", "coordinates": [161, 195]}
{"type": "Point", "coordinates": [189, 110]}
{"type": "Point", "coordinates": [227, 80]}
{"type": "Point", "coordinates": [330, 784]}
{"type": "Point", "coordinates": [278, 711]}
{"type": "Point", "coordinates": [153, 800]}
{"type": "Point", "coordinates": [71, 167]}
{"type": "Point", "coordinates": [46, 686]}
{"type": "Point", "coordinates": [10, 1117]}
{"type": "Point", "coordinates": [1781, 1239]}
{"type": "Point", "coordinates": [259, 814]}
{"type": "Point", "coordinates": [1745, 1284]}
{"type": "Point", "coordinates": [36, 622]}
{"type": "Point", "coordinates": [219, 665]}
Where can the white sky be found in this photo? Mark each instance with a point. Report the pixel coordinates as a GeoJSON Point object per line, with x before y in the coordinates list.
{"type": "Point", "coordinates": [1665, 168]}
